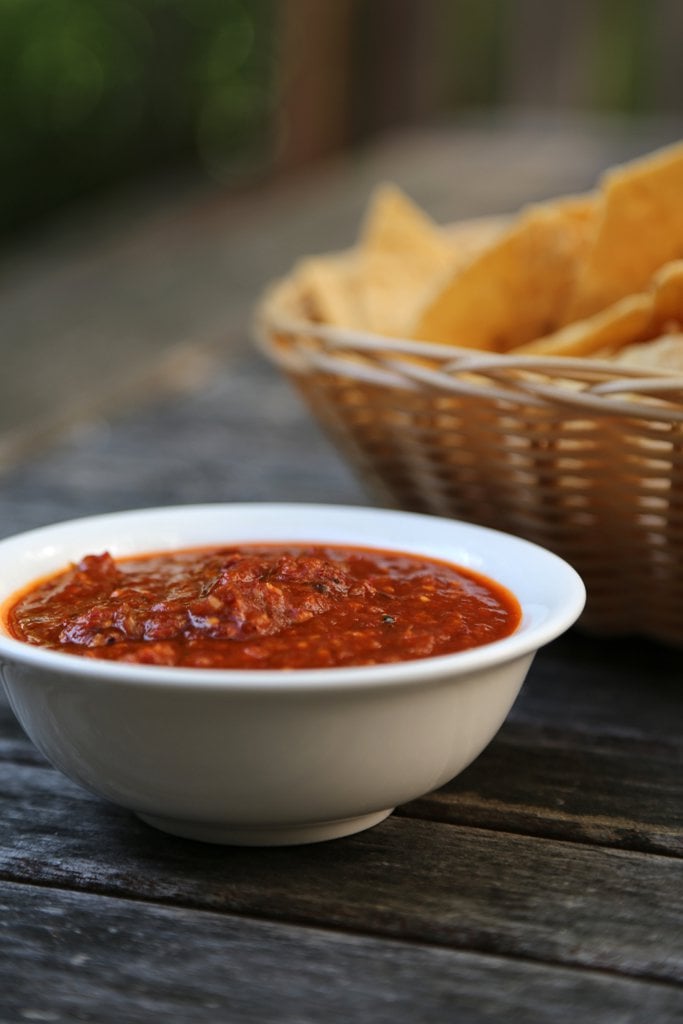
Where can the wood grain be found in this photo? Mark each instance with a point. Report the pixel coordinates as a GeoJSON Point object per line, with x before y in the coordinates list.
{"type": "Point", "coordinates": [99, 963]}
{"type": "Point", "coordinates": [466, 888]}
{"type": "Point", "coordinates": [627, 688]}
{"type": "Point", "coordinates": [564, 786]}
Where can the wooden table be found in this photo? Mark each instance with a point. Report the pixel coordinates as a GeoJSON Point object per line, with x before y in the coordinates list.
{"type": "Point", "coordinates": [543, 884]}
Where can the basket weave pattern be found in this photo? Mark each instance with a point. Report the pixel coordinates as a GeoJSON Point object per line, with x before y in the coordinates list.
{"type": "Point", "coordinates": [575, 455]}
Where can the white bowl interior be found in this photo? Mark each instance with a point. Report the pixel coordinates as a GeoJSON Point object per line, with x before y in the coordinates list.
{"type": "Point", "coordinates": [550, 592]}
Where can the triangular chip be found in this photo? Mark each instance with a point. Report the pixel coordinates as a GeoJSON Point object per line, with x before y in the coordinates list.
{"type": "Point", "coordinates": [401, 257]}
{"type": "Point", "coordinates": [403, 254]}
{"type": "Point", "coordinates": [394, 225]}
{"type": "Point", "coordinates": [328, 287]}
{"type": "Point", "coordinates": [512, 292]}
{"type": "Point", "coordinates": [665, 353]}
{"type": "Point", "coordinates": [632, 320]}
{"type": "Point", "coordinates": [668, 287]}
{"type": "Point", "coordinates": [390, 292]}
{"type": "Point", "coordinates": [625, 322]}
{"type": "Point", "coordinates": [469, 238]}
{"type": "Point", "coordinates": [640, 228]}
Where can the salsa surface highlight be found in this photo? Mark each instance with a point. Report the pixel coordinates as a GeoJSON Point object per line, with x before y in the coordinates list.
{"type": "Point", "coordinates": [263, 606]}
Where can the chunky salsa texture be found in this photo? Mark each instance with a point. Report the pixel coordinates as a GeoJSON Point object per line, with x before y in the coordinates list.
{"type": "Point", "coordinates": [263, 607]}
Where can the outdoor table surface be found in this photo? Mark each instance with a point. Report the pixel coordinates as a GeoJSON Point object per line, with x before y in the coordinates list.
{"type": "Point", "coordinates": [545, 883]}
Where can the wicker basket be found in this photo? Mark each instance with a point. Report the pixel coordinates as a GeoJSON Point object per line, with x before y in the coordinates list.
{"type": "Point", "coordinates": [569, 453]}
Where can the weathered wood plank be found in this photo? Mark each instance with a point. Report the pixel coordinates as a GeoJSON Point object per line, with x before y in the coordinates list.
{"type": "Point", "coordinates": [421, 881]}
{"type": "Point", "coordinates": [627, 688]}
{"type": "Point", "coordinates": [560, 785]}
{"type": "Point", "coordinates": [76, 956]}
{"type": "Point", "coordinates": [238, 439]}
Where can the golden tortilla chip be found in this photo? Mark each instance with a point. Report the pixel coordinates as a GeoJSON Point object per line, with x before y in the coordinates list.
{"type": "Point", "coordinates": [390, 292]}
{"type": "Point", "coordinates": [665, 353]}
{"type": "Point", "coordinates": [395, 226]}
{"type": "Point", "coordinates": [328, 288]}
{"type": "Point", "coordinates": [668, 288]}
{"type": "Point", "coordinates": [511, 292]}
{"type": "Point", "coordinates": [402, 253]}
{"type": "Point", "coordinates": [632, 321]}
{"type": "Point", "coordinates": [581, 275]}
{"type": "Point", "coordinates": [640, 228]}
{"type": "Point", "coordinates": [469, 238]}
{"type": "Point", "coordinates": [627, 321]}
{"type": "Point", "coordinates": [382, 284]}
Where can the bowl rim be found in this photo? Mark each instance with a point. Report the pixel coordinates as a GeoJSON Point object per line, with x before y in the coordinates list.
{"type": "Point", "coordinates": [525, 640]}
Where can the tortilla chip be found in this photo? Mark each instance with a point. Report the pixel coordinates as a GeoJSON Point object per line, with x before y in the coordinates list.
{"type": "Point", "coordinates": [395, 226]}
{"type": "Point", "coordinates": [511, 292]}
{"type": "Point", "coordinates": [469, 238]}
{"type": "Point", "coordinates": [328, 287]}
{"type": "Point", "coordinates": [395, 286]}
{"type": "Point", "coordinates": [389, 293]}
{"type": "Point", "coordinates": [640, 228]}
{"type": "Point", "coordinates": [665, 353]}
{"type": "Point", "coordinates": [668, 288]}
{"type": "Point", "coordinates": [401, 257]}
{"type": "Point", "coordinates": [627, 321]}
{"type": "Point", "coordinates": [581, 275]}
{"type": "Point", "coordinates": [633, 320]}
{"type": "Point", "coordinates": [402, 253]}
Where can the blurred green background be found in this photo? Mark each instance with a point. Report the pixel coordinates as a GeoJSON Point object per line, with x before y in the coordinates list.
{"type": "Point", "coordinates": [97, 93]}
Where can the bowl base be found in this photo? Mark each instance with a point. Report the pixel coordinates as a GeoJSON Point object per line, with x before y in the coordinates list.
{"type": "Point", "coordinates": [275, 835]}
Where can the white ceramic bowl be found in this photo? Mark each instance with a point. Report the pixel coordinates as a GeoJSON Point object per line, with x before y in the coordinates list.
{"type": "Point", "coordinates": [272, 757]}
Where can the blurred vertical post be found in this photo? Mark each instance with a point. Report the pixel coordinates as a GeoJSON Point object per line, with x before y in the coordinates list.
{"type": "Point", "coordinates": [545, 63]}
{"type": "Point", "coordinates": [665, 55]}
{"type": "Point", "coordinates": [399, 76]}
{"type": "Point", "coordinates": [313, 117]}
{"type": "Point", "coordinates": [350, 69]}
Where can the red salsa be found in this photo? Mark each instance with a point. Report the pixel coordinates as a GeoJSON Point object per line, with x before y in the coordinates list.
{"type": "Point", "coordinates": [263, 607]}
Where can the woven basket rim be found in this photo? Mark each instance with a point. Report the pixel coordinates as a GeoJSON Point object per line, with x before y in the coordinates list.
{"type": "Point", "coordinates": [596, 385]}
{"type": "Point", "coordinates": [582, 456]}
